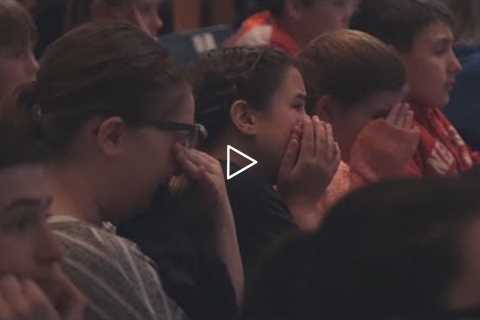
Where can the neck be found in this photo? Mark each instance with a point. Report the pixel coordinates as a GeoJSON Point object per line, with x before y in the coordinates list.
{"type": "Point", "coordinates": [74, 194]}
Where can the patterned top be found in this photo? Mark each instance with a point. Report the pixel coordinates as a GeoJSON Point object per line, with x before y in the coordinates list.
{"type": "Point", "coordinates": [118, 279]}
{"type": "Point", "coordinates": [261, 29]}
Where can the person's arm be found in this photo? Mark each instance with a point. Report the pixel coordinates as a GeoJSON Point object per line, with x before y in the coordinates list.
{"type": "Point", "coordinates": [206, 172]}
{"type": "Point", "coordinates": [110, 274]}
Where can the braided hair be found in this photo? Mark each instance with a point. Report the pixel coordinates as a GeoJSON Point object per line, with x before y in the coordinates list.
{"type": "Point", "coordinates": [226, 75]}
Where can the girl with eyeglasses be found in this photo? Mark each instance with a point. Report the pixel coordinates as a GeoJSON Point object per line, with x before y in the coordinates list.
{"type": "Point", "coordinates": [118, 118]}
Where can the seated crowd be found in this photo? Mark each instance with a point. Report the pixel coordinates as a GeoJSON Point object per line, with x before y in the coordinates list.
{"type": "Point", "coordinates": [114, 197]}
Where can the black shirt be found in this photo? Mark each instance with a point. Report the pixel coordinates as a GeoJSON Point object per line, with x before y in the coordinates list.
{"type": "Point", "coordinates": [261, 217]}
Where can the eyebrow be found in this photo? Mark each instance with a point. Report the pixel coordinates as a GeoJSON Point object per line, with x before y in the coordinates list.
{"type": "Point", "coordinates": [301, 95]}
{"type": "Point", "coordinates": [43, 203]}
{"type": "Point", "coordinates": [444, 39]}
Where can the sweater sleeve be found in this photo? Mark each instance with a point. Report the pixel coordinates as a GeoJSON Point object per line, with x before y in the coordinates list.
{"type": "Point", "coordinates": [380, 151]}
{"type": "Point", "coordinates": [117, 279]}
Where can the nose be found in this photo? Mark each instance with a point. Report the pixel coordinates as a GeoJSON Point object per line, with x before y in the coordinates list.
{"type": "Point", "coordinates": [157, 24]}
{"type": "Point", "coordinates": [454, 66]}
{"type": "Point", "coordinates": [48, 249]}
{"type": "Point", "coordinates": [31, 66]}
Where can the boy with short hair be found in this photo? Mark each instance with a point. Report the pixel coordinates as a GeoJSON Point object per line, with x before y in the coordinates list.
{"type": "Point", "coordinates": [18, 64]}
{"type": "Point", "coordinates": [357, 84]}
{"type": "Point", "coordinates": [421, 33]}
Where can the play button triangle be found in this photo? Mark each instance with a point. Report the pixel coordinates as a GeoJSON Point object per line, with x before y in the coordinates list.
{"type": "Point", "coordinates": [231, 175]}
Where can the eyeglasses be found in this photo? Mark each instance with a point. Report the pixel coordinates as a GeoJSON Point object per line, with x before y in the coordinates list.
{"type": "Point", "coordinates": [195, 133]}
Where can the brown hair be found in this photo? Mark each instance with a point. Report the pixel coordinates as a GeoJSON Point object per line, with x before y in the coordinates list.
{"type": "Point", "coordinates": [397, 23]}
{"type": "Point", "coordinates": [99, 70]}
{"type": "Point", "coordinates": [349, 66]}
{"type": "Point", "coordinates": [467, 25]}
{"type": "Point", "coordinates": [17, 33]}
{"type": "Point", "coordinates": [225, 75]}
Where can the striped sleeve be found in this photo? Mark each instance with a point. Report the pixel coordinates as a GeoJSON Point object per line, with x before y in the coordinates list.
{"type": "Point", "coordinates": [118, 279]}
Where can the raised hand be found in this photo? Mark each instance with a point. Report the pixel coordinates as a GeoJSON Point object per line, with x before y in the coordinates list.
{"type": "Point", "coordinates": [22, 299]}
{"type": "Point", "coordinates": [401, 116]}
{"type": "Point", "coordinates": [309, 163]}
{"type": "Point", "coordinates": [71, 304]}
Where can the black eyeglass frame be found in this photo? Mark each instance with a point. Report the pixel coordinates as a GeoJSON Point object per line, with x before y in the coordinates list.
{"type": "Point", "coordinates": [196, 132]}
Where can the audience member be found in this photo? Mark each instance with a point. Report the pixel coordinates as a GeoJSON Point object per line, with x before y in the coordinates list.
{"type": "Point", "coordinates": [254, 100]}
{"type": "Point", "coordinates": [32, 283]}
{"type": "Point", "coordinates": [463, 108]}
{"type": "Point", "coordinates": [357, 84]}
{"type": "Point", "coordinates": [18, 64]}
{"type": "Point", "coordinates": [288, 25]}
{"type": "Point", "coordinates": [421, 32]}
{"type": "Point", "coordinates": [116, 115]}
{"type": "Point", "coordinates": [397, 250]}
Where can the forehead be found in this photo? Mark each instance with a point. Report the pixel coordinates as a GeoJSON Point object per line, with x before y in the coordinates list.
{"type": "Point", "coordinates": [292, 82]}
{"type": "Point", "coordinates": [385, 100]}
{"type": "Point", "coordinates": [22, 182]}
{"type": "Point", "coordinates": [183, 105]}
{"type": "Point", "coordinates": [433, 33]}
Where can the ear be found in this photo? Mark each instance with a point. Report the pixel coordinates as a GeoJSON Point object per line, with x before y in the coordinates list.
{"type": "Point", "coordinates": [243, 117]}
{"type": "Point", "coordinates": [111, 136]}
{"type": "Point", "coordinates": [293, 10]}
{"type": "Point", "coordinates": [323, 108]}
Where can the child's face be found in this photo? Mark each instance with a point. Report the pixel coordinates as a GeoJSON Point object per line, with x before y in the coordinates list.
{"type": "Point", "coordinates": [348, 121]}
{"type": "Point", "coordinates": [27, 245]}
{"type": "Point", "coordinates": [432, 66]}
{"type": "Point", "coordinates": [275, 124]}
{"type": "Point", "coordinates": [15, 71]}
{"type": "Point", "coordinates": [147, 17]}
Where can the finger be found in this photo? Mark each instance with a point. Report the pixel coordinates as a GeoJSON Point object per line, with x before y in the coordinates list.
{"type": "Point", "coordinates": [290, 156]}
{"type": "Point", "coordinates": [410, 120]}
{"type": "Point", "coordinates": [402, 115]}
{"type": "Point", "coordinates": [13, 293]}
{"type": "Point", "coordinates": [202, 159]}
{"type": "Point", "coordinates": [73, 303]}
{"type": "Point", "coordinates": [330, 142]}
{"type": "Point", "coordinates": [37, 299]}
{"type": "Point", "coordinates": [191, 169]}
{"type": "Point", "coordinates": [5, 311]}
{"type": "Point", "coordinates": [394, 114]}
{"type": "Point", "coordinates": [320, 136]}
{"type": "Point", "coordinates": [307, 148]}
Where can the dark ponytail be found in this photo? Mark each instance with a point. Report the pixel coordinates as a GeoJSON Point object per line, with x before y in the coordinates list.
{"type": "Point", "coordinates": [225, 75]}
